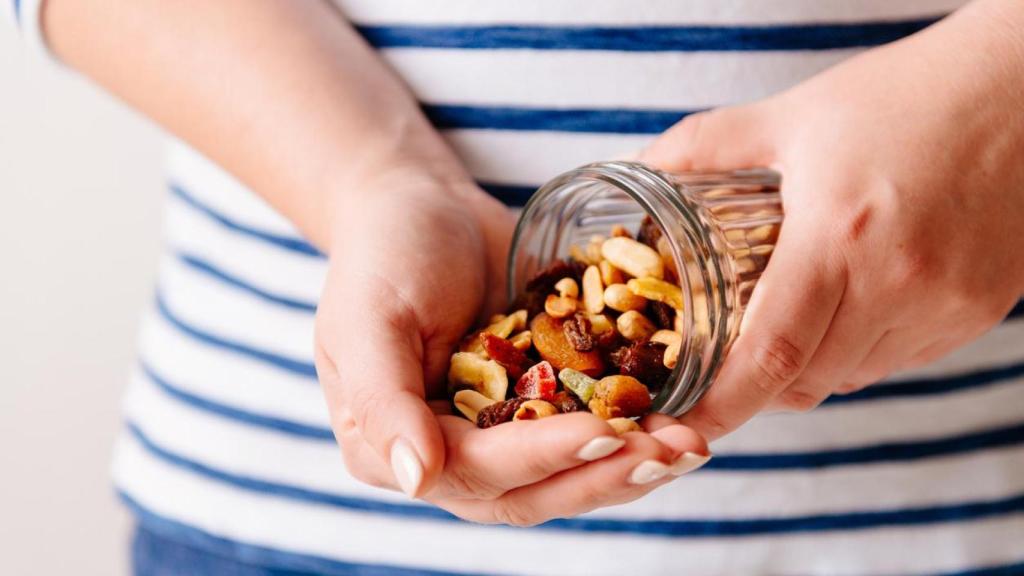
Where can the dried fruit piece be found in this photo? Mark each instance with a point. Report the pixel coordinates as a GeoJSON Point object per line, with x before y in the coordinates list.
{"type": "Point", "coordinates": [673, 342]}
{"type": "Point", "coordinates": [635, 326]}
{"type": "Point", "coordinates": [566, 402]}
{"type": "Point", "coordinates": [577, 330]}
{"type": "Point", "coordinates": [473, 371]}
{"type": "Point", "coordinates": [661, 314]}
{"type": "Point", "coordinates": [632, 257]}
{"type": "Point", "coordinates": [568, 288]}
{"type": "Point", "coordinates": [649, 232]}
{"type": "Point", "coordinates": [619, 231]}
{"type": "Point", "coordinates": [644, 361]}
{"type": "Point", "coordinates": [534, 410]}
{"type": "Point", "coordinates": [498, 413]}
{"type": "Point", "coordinates": [501, 326]}
{"type": "Point", "coordinates": [545, 280]}
{"type": "Point", "coordinates": [538, 382]}
{"type": "Point", "coordinates": [471, 402]}
{"type": "Point", "coordinates": [658, 290]}
{"type": "Point", "coordinates": [623, 425]}
{"type": "Point", "coordinates": [552, 345]}
{"type": "Point", "coordinates": [620, 298]}
{"type": "Point", "coordinates": [616, 396]}
{"type": "Point", "coordinates": [578, 383]}
{"type": "Point", "coordinates": [593, 290]}
{"type": "Point", "coordinates": [559, 306]}
{"type": "Point", "coordinates": [506, 354]}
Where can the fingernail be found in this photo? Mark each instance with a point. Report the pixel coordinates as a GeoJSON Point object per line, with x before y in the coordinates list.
{"type": "Point", "coordinates": [600, 447]}
{"type": "Point", "coordinates": [688, 462]}
{"type": "Point", "coordinates": [406, 466]}
{"type": "Point", "coordinates": [648, 471]}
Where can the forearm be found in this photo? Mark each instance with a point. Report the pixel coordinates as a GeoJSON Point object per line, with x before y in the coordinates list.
{"type": "Point", "coordinates": [283, 94]}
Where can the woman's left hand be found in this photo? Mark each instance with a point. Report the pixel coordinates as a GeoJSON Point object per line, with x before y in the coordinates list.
{"type": "Point", "coordinates": [903, 186]}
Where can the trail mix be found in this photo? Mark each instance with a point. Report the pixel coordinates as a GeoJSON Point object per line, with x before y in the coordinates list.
{"type": "Point", "coordinates": [594, 332]}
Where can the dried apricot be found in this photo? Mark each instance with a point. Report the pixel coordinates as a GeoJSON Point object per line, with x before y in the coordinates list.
{"type": "Point", "coordinates": [551, 343]}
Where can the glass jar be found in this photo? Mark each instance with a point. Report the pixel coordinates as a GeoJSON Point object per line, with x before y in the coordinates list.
{"type": "Point", "coordinates": [715, 232]}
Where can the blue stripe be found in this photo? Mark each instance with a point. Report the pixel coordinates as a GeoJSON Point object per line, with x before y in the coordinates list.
{"type": "Point", "coordinates": [281, 425]}
{"type": "Point", "coordinates": [646, 38]}
{"type": "Point", "coordinates": [510, 194]}
{"type": "Point", "coordinates": [205, 267]}
{"type": "Point", "coordinates": [691, 528]}
{"type": "Point", "coordinates": [1017, 311]}
{"type": "Point", "coordinates": [289, 243]}
{"type": "Point", "coordinates": [272, 359]}
{"type": "Point", "coordinates": [878, 453]}
{"type": "Point", "coordinates": [260, 555]}
{"type": "Point", "coordinates": [611, 120]}
{"type": "Point", "coordinates": [931, 386]}
{"type": "Point", "coordinates": [1015, 569]}
{"type": "Point", "coordinates": [17, 11]}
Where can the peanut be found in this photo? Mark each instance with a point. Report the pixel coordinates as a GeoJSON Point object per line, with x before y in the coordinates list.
{"type": "Point", "coordinates": [559, 306]}
{"type": "Point", "coordinates": [620, 298]}
{"type": "Point", "coordinates": [636, 259]}
{"type": "Point", "coordinates": [599, 323]}
{"type": "Point", "coordinates": [535, 410]}
{"type": "Point", "coordinates": [654, 289]}
{"type": "Point", "coordinates": [635, 326]}
{"type": "Point", "coordinates": [594, 248]}
{"type": "Point", "coordinates": [623, 425]}
{"type": "Point", "coordinates": [593, 290]}
{"type": "Point", "coordinates": [471, 402]}
{"type": "Point", "coordinates": [522, 340]}
{"type": "Point", "coordinates": [616, 396]}
{"type": "Point", "coordinates": [469, 370]}
{"type": "Point", "coordinates": [567, 288]}
{"type": "Point", "coordinates": [610, 274]}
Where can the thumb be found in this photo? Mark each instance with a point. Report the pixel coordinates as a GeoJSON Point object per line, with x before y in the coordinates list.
{"type": "Point", "coordinates": [370, 362]}
{"type": "Point", "coordinates": [722, 139]}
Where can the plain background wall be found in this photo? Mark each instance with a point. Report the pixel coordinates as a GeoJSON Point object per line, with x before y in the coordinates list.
{"type": "Point", "coordinates": [80, 197]}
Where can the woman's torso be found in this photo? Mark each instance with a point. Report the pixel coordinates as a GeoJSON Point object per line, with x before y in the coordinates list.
{"type": "Point", "coordinates": [227, 442]}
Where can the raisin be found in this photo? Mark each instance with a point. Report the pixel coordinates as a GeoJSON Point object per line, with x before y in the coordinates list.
{"type": "Point", "coordinates": [577, 330]}
{"type": "Point", "coordinates": [649, 232]}
{"type": "Point", "coordinates": [661, 313]}
{"type": "Point", "coordinates": [544, 281]}
{"type": "Point", "coordinates": [644, 361]}
{"type": "Point", "coordinates": [566, 402]}
{"type": "Point", "coordinates": [498, 413]}
{"type": "Point", "coordinates": [504, 353]}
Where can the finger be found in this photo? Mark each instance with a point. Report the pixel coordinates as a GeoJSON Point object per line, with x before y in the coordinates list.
{"type": "Point", "coordinates": [485, 463]}
{"type": "Point", "coordinates": [893, 352]}
{"type": "Point", "coordinates": [639, 467]}
{"type": "Point", "coordinates": [789, 313]}
{"type": "Point", "coordinates": [374, 378]}
{"type": "Point", "coordinates": [721, 139]}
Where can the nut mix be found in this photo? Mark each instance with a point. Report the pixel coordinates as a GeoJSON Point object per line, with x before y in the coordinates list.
{"type": "Point", "coordinates": [593, 332]}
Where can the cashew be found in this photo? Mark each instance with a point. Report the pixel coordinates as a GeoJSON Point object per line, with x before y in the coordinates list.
{"type": "Point", "coordinates": [599, 323]}
{"type": "Point", "coordinates": [610, 274]}
{"type": "Point", "coordinates": [471, 402]}
{"type": "Point", "coordinates": [635, 326]}
{"type": "Point", "coordinates": [593, 290]}
{"type": "Point", "coordinates": [567, 288]}
{"type": "Point", "coordinates": [469, 370]}
{"type": "Point", "coordinates": [673, 341]}
{"type": "Point", "coordinates": [623, 425]}
{"type": "Point", "coordinates": [559, 306]}
{"type": "Point", "coordinates": [522, 340]}
{"type": "Point", "coordinates": [636, 259]}
{"type": "Point", "coordinates": [619, 297]}
{"type": "Point", "coordinates": [496, 318]}
{"type": "Point", "coordinates": [654, 289]}
{"type": "Point", "coordinates": [535, 410]}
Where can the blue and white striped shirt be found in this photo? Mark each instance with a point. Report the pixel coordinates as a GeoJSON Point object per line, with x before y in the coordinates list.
{"type": "Point", "coordinates": [227, 445]}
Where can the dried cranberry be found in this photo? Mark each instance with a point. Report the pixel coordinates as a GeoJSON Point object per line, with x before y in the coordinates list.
{"type": "Point", "coordinates": [498, 413]}
{"type": "Point", "coordinates": [538, 383]}
{"type": "Point", "coordinates": [645, 362]}
{"type": "Point", "coordinates": [505, 353]}
{"type": "Point", "coordinates": [661, 313]}
{"type": "Point", "coordinates": [566, 402]}
{"type": "Point", "coordinates": [577, 331]}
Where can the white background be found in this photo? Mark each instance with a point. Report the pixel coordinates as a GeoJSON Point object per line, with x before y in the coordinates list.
{"type": "Point", "coordinates": [80, 199]}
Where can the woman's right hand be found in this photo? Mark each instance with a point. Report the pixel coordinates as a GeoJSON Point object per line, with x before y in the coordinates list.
{"type": "Point", "coordinates": [412, 264]}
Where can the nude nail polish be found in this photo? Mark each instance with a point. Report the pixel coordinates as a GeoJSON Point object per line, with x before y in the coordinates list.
{"type": "Point", "coordinates": [599, 448]}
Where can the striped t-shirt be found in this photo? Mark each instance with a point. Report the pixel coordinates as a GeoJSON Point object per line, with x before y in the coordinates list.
{"type": "Point", "coordinates": [226, 445]}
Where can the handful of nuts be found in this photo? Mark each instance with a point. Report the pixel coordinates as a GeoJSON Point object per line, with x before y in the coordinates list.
{"type": "Point", "coordinates": [593, 332]}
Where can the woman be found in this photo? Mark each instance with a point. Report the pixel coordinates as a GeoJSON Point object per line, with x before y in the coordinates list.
{"type": "Point", "coordinates": [903, 191]}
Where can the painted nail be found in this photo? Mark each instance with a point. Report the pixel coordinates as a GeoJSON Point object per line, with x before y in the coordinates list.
{"type": "Point", "coordinates": [406, 466]}
{"type": "Point", "coordinates": [648, 471]}
{"type": "Point", "coordinates": [599, 448]}
{"type": "Point", "coordinates": [688, 462]}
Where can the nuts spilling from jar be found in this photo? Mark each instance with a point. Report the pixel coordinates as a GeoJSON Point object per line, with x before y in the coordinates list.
{"type": "Point", "coordinates": [595, 332]}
